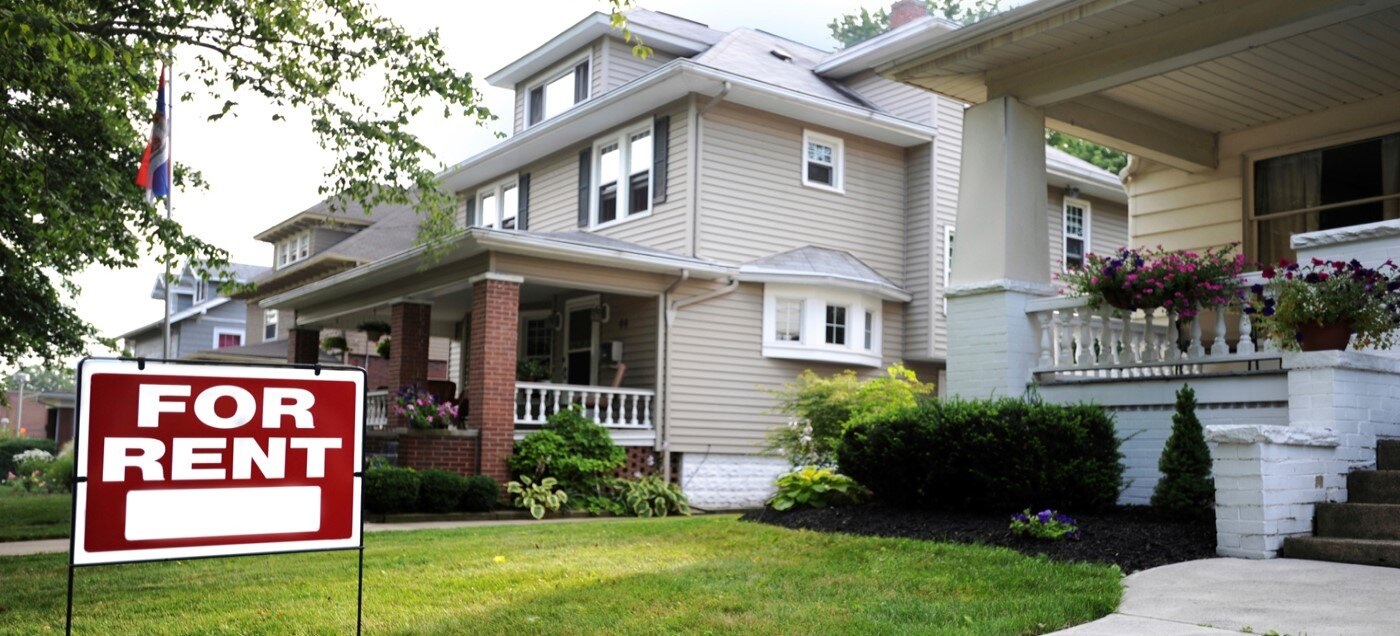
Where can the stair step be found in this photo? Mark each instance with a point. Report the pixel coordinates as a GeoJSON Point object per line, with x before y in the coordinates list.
{"type": "Point", "coordinates": [1358, 521]}
{"type": "Point", "coordinates": [1359, 551]}
{"type": "Point", "coordinates": [1374, 486]}
{"type": "Point", "coordinates": [1388, 454]}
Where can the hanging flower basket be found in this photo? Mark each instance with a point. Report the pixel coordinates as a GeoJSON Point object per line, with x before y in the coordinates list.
{"type": "Point", "coordinates": [1181, 282]}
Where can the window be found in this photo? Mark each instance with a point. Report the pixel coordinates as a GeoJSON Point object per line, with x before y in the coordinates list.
{"type": "Point", "coordinates": [1076, 224]}
{"type": "Point", "coordinates": [294, 249]}
{"type": "Point", "coordinates": [822, 161]}
{"type": "Point", "coordinates": [623, 165]}
{"type": "Point", "coordinates": [947, 263]}
{"type": "Point", "coordinates": [537, 337]}
{"type": "Point", "coordinates": [1323, 189]}
{"type": "Point", "coordinates": [561, 91]}
{"type": "Point", "coordinates": [269, 324]}
{"type": "Point", "coordinates": [498, 205]}
{"type": "Point", "coordinates": [227, 338]}
{"type": "Point", "coordinates": [201, 291]}
{"type": "Point", "coordinates": [822, 324]}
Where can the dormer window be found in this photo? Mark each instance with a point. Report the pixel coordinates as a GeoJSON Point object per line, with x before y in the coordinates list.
{"type": "Point", "coordinates": [293, 249]}
{"type": "Point", "coordinates": [498, 205]}
{"type": "Point", "coordinates": [558, 92]}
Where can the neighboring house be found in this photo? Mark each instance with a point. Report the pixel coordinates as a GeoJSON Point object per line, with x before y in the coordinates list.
{"type": "Point", "coordinates": [1275, 125]}
{"type": "Point", "coordinates": [201, 317]}
{"type": "Point", "coordinates": [671, 238]}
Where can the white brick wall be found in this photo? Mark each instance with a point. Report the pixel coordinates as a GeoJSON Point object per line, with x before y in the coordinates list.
{"type": "Point", "coordinates": [1267, 479]}
{"type": "Point", "coordinates": [992, 342]}
{"type": "Point", "coordinates": [714, 481]}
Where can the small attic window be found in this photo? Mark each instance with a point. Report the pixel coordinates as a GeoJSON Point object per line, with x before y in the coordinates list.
{"type": "Point", "coordinates": [781, 54]}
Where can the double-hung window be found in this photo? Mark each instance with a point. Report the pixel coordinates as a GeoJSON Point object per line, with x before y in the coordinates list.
{"type": "Point", "coordinates": [558, 92]}
{"type": "Point", "coordinates": [1076, 220]}
{"type": "Point", "coordinates": [823, 159]}
{"type": "Point", "coordinates": [537, 337]}
{"type": "Point", "coordinates": [498, 205]}
{"type": "Point", "coordinates": [269, 324]}
{"type": "Point", "coordinates": [623, 165]}
{"type": "Point", "coordinates": [294, 249]}
{"type": "Point", "coordinates": [835, 325]}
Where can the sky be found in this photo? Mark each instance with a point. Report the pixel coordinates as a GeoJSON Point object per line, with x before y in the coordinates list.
{"type": "Point", "coordinates": [261, 172]}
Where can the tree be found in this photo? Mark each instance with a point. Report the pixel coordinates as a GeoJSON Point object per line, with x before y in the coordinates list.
{"type": "Point", "coordinates": [1101, 156]}
{"type": "Point", "coordinates": [853, 28]}
{"type": "Point", "coordinates": [78, 88]}
{"type": "Point", "coordinates": [1186, 488]}
{"type": "Point", "coordinates": [41, 378]}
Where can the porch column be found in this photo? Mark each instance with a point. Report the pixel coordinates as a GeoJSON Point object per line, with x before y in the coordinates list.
{"type": "Point", "coordinates": [408, 351]}
{"type": "Point", "coordinates": [491, 369]}
{"type": "Point", "coordinates": [304, 346]}
{"type": "Point", "coordinates": [1001, 258]}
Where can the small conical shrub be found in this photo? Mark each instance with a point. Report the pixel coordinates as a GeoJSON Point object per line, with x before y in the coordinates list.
{"type": "Point", "coordinates": [1186, 487]}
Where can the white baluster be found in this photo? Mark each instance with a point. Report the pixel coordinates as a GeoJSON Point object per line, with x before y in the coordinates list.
{"type": "Point", "coordinates": [1086, 342]}
{"type": "Point", "coordinates": [1173, 334]}
{"type": "Point", "coordinates": [1076, 326]}
{"type": "Point", "coordinates": [1196, 350]}
{"type": "Point", "coordinates": [605, 399]}
{"type": "Point", "coordinates": [1064, 341]}
{"type": "Point", "coordinates": [1149, 337]}
{"type": "Point", "coordinates": [631, 402]}
{"type": "Point", "coordinates": [1046, 343]}
{"type": "Point", "coordinates": [1109, 338]}
{"type": "Point", "coordinates": [1220, 347]}
{"type": "Point", "coordinates": [1246, 344]}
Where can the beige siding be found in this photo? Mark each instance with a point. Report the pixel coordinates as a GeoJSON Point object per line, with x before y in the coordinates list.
{"type": "Point", "coordinates": [947, 162]}
{"type": "Point", "coordinates": [620, 66]}
{"type": "Point", "coordinates": [1108, 226]}
{"type": "Point", "coordinates": [919, 249]}
{"type": "Point", "coordinates": [753, 203]}
{"type": "Point", "coordinates": [719, 399]}
{"type": "Point", "coordinates": [633, 322]}
{"type": "Point", "coordinates": [896, 98]}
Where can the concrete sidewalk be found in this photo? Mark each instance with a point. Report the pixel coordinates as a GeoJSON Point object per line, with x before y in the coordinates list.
{"type": "Point", "coordinates": [1225, 596]}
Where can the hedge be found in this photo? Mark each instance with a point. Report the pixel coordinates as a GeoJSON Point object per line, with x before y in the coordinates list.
{"type": "Point", "coordinates": [995, 455]}
{"type": "Point", "coordinates": [390, 489]}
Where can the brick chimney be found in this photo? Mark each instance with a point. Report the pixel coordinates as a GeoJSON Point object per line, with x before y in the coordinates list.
{"type": "Point", "coordinates": [905, 11]}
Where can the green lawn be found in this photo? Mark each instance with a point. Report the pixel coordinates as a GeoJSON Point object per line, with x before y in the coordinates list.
{"type": "Point", "coordinates": [699, 575]}
{"type": "Point", "coordinates": [34, 517]}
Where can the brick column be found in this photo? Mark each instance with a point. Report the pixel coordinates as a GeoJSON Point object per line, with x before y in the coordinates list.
{"type": "Point", "coordinates": [304, 346]}
{"type": "Point", "coordinates": [408, 351]}
{"type": "Point", "coordinates": [491, 369]}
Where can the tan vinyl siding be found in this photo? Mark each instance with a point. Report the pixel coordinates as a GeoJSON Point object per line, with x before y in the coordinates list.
{"type": "Point", "coordinates": [753, 203]}
{"type": "Point", "coordinates": [633, 322]}
{"type": "Point", "coordinates": [323, 238]}
{"type": "Point", "coordinates": [896, 98]}
{"type": "Point", "coordinates": [1108, 226]}
{"type": "Point", "coordinates": [621, 66]}
{"type": "Point", "coordinates": [919, 248]}
{"type": "Point", "coordinates": [947, 162]}
{"type": "Point", "coordinates": [719, 381]}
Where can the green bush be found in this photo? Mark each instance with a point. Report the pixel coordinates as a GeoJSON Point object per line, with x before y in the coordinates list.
{"type": "Point", "coordinates": [537, 498]}
{"type": "Point", "coordinates": [440, 490]}
{"type": "Point", "coordinates": [59, 474]}
{"type": "Point", "coordinates": [480, 494]}
{"type": "Point", "coordinates": [390, 489]}
{"type": "Point", "coordinates": [11, 446]}
{"type": "Point", "coordinates": [988, 455]}
{"type": "Point", "coordinates": [652, 497]}
{"type": "Point", "coordinates": [570, 448]}
{"type": "Point", "coordinates": [820, 408]}
{"type": "Point", "coordinates": [813, 487]}
{"type": "Point", "coordinates": [1186, 488]}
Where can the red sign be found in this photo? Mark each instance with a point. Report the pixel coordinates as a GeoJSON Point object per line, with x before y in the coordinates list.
{"type": "Point", "coordinates": [185, 460]}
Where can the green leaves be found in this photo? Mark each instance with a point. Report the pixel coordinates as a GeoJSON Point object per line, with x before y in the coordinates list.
{"type": "Point", "coordinates": [537, 498]}
{"type": "Point", "coordinates": [813, 487]}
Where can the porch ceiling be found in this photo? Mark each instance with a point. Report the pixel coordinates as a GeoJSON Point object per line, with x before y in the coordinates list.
{"type": "Point", "coordinates": [1162, 78]}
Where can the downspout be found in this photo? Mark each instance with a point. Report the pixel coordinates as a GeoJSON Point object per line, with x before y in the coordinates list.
{"type": "Point", "coordinates": [663, 375]}
{"type": "Point", "coordinates": [695, 154]}
{"type": "Point", "coordinates": [672, 307]}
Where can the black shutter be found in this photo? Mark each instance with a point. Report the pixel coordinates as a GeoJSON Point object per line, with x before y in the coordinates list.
{"type": "Point", "coordinates": [585, 165]}
{"type": "Point", "coordinates": [471, 211]}
{"type": "Point", "coordinates": [522, 220]}
{"type": "Point", "coordinates": [582, 82]}
{"type": "Point", "coordinates": [660, 157]}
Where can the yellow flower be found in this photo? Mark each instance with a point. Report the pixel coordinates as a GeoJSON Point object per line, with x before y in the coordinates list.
{"type": "Point", "coordinates": [499, 559]}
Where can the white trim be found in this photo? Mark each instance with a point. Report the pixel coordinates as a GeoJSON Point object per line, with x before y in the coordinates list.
{"type": "Point", "coordinates": [1064, 230]}
{"type": "Point", "coordinates": [584, 33]}
{"type": "Point", "coordinates": [505, 278]}
{"type": "Point", "coordinates": [623, 139]}
{"type": "Point", "coordinates": [556, 72]}
{"type": "Point", "coordinates": [948, 231]}
{"type": "Point", "coordinates": [224, 331]}
{"type": "Point", "coordinates": [812, 345]}
{"type": "Point", "coordinates": [838, 160]}
{"type": "Point", "coordinates": [276, 328]}
{"type": "Point", "coordinates": [289, 251]}
{"type": "Point", "coordinates": [522, 318]}
{"type": "Point", "coordinates": [497, 190]}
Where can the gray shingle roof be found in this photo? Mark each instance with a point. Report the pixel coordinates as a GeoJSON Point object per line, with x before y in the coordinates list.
{"type": "Point", "coordinates": [810, 260]}
{"type": "Point", "coordinates": [675, 25]}
{"type": "Point", "coordinates": [750, 53]}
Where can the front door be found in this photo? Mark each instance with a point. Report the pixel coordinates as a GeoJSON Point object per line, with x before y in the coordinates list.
{"type": "Point", "coordinates": [581, 341]}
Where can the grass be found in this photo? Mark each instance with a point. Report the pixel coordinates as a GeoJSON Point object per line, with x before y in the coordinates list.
{"type": "Point", "coordinates": [26, 517]}
{"type": "Point", "coordinates": [699, 575]}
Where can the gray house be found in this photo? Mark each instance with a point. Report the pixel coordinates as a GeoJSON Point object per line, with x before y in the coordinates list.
{"type": "Point", "coordinates": [670, 238]}
{"type": "Point", "coordinates": [202, 318]}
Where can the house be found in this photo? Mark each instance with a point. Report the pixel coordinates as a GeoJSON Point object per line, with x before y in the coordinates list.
{"type": "Point", "coordinates": [201, 317]}
{"type": "Point", "coordinates": [665, 240]}
{"type": "Point", "coordinates": [1275, 125]}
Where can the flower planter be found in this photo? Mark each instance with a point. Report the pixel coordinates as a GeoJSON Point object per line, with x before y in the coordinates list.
{"type": "Point", "coordinates": [1118, 299]}
{"type": "Point", "coordinates": [1333, 337]}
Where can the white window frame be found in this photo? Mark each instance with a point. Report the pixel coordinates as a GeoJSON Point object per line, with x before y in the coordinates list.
{"type": "Point", "coordinates": [497, 190]}
{"type": "Point", "coordinates": [550, 76]}
{"type": "Point", "coordinates": [623, 139]}
{"type": "Point", "coordinates": [525, 318]}
{"type": "Point", "coordinates": [1064, 229]}
{"type": "Point", "coordinates": [838, 161]}
{"type": "Point", "coordinates": [947, 264]}
{"type": "Point", "coordinates": [293, 249]}
{"type": "Point", "coordinates": [811, 345]}
{"type": "Point", "coordinates": [272, 313]}
{"type": "Point", "coordinates": [225, 331]}
{"type": "Point", "coordinates": [801, 318]}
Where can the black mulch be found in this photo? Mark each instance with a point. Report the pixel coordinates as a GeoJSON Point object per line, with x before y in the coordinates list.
{"type": "Point", "coordinates": [1134, 537]}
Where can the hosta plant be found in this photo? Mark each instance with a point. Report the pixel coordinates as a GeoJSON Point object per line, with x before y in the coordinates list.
{"type": "Point", "coordinates": [1046, 524]}
{"type": "Point", "coordinates": [653, 497]}
{"type": "Point", "coordinates": [813, 487]}
{"type": "Point", "coordinates": [538, 498]}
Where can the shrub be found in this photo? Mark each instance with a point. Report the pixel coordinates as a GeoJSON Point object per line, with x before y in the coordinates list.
{"type": "Point", "coordinates": [1046, 524]}
{"type": "Point", "coordinates": [571, 448]}
{"type": "Point", "coordinates": [390, 489]}
{"type": "Point", "coordinates": [988, 455]}
{"type": "Point", "coordinates": [1186, 487]}
{"type": "Point", "coordinates": [821, 408]}
{"type": "Point", "coordinates": [480, 493]}
{"type": "Point", "coordinates": [440, 490]}
{"type": "Point", "coordinates": [813, 487]}
{"type": "Point", "coordinates": [537, 498]}
{"type": "Point", "coordinates": [11, 446]}
{"type": "Point", "coordinates": [652, 497]}
{"type": "Point", "coordinates": [32, 460]}
{"type": "Point", "coordinates": [59, 474]}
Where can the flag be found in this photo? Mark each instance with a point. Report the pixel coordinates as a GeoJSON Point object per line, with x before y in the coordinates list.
{"type": "Point", "coordinates": [154, 174]}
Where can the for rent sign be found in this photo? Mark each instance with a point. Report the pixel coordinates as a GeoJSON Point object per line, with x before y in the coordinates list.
{"type": "Point", "coordinates": [186, 460]}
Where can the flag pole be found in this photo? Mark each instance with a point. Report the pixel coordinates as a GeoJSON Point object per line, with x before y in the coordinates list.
{"type": "Point", "coordinates": [170, 179]}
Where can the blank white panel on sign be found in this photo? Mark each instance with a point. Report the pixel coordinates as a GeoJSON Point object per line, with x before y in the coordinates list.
{"type": "Point", "coordinates": [221, 512]}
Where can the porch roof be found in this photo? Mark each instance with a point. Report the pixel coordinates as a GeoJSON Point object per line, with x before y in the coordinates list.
{"type": "Point", "coordinates": [1162, 78]}
{"type": "Point", "coordinates": [811, 265]}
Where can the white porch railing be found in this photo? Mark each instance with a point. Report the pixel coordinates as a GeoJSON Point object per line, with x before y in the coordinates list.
{"type": "Point", "coordinates": [376, 409]}
{"type": "Point", "coordinates": [1076, 341]}
{"type": "Point", "coordinates": [610, 407]}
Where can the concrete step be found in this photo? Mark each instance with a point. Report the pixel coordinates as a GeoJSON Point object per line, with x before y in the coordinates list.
{"type": "Point", "coordinates": [1374, 486]}
{"type": "Point", "coordinates": [1358, 521]}
{"type": "Point", "coordinates": [1359, 551]}
{"type": "Point", "coordinates": [1388, 454]}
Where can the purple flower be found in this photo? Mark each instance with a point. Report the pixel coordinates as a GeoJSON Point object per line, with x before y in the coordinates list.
{"type": "Point", "coordinates": [1044, 516]}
